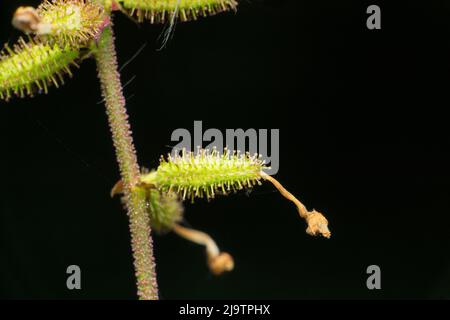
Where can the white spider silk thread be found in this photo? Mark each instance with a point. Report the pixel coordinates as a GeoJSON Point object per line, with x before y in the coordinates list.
{"type": "Point", "coordinates": [168, 32]}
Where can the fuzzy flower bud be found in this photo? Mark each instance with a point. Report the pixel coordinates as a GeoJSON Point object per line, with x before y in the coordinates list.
{"type": "Point", "coordinates": [205, 173]}
{"type": "Point", "coordinates": [165, 209]}
{"type": "Point", "coordinates": [66, 22]}
{"type": "Point", "coordinates": [33, 67]}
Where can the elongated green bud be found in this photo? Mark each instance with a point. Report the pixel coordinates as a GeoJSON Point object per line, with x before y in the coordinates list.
{"type": "Point", "coordinates": [33, 67]}
{"type": "Point", "coordinates": [205, 173]}
{"type": "Point", "coordinates": [66, 22]}
{"type": "Point", "coordinates": [160, 11]}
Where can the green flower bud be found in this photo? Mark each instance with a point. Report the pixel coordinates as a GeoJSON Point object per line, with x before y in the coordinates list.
{"type": "Point", "coordinates": [165, 210]}
{"type": "Point", "coordinates": [65, 22]}
{"type": "Point", "coordinates": [33, 67]}
{"type": "Point", "coordinates": [205, 173]}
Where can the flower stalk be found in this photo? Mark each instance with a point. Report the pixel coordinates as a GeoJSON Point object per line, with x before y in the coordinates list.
{"type": "Point", "coordinates": [135, 200]}
{"type": "Point", "coordinates": [317, 223]}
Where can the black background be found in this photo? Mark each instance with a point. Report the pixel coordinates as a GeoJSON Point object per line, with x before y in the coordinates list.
{"type": "Point", "coordinates": [363, 138]}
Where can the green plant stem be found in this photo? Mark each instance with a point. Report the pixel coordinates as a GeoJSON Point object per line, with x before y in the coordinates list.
{"type": "Point", "coordinates": [141, 240]}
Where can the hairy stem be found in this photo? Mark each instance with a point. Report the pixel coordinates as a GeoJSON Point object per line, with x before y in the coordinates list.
{"type": "Point", "coordinates": [141, 240]}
